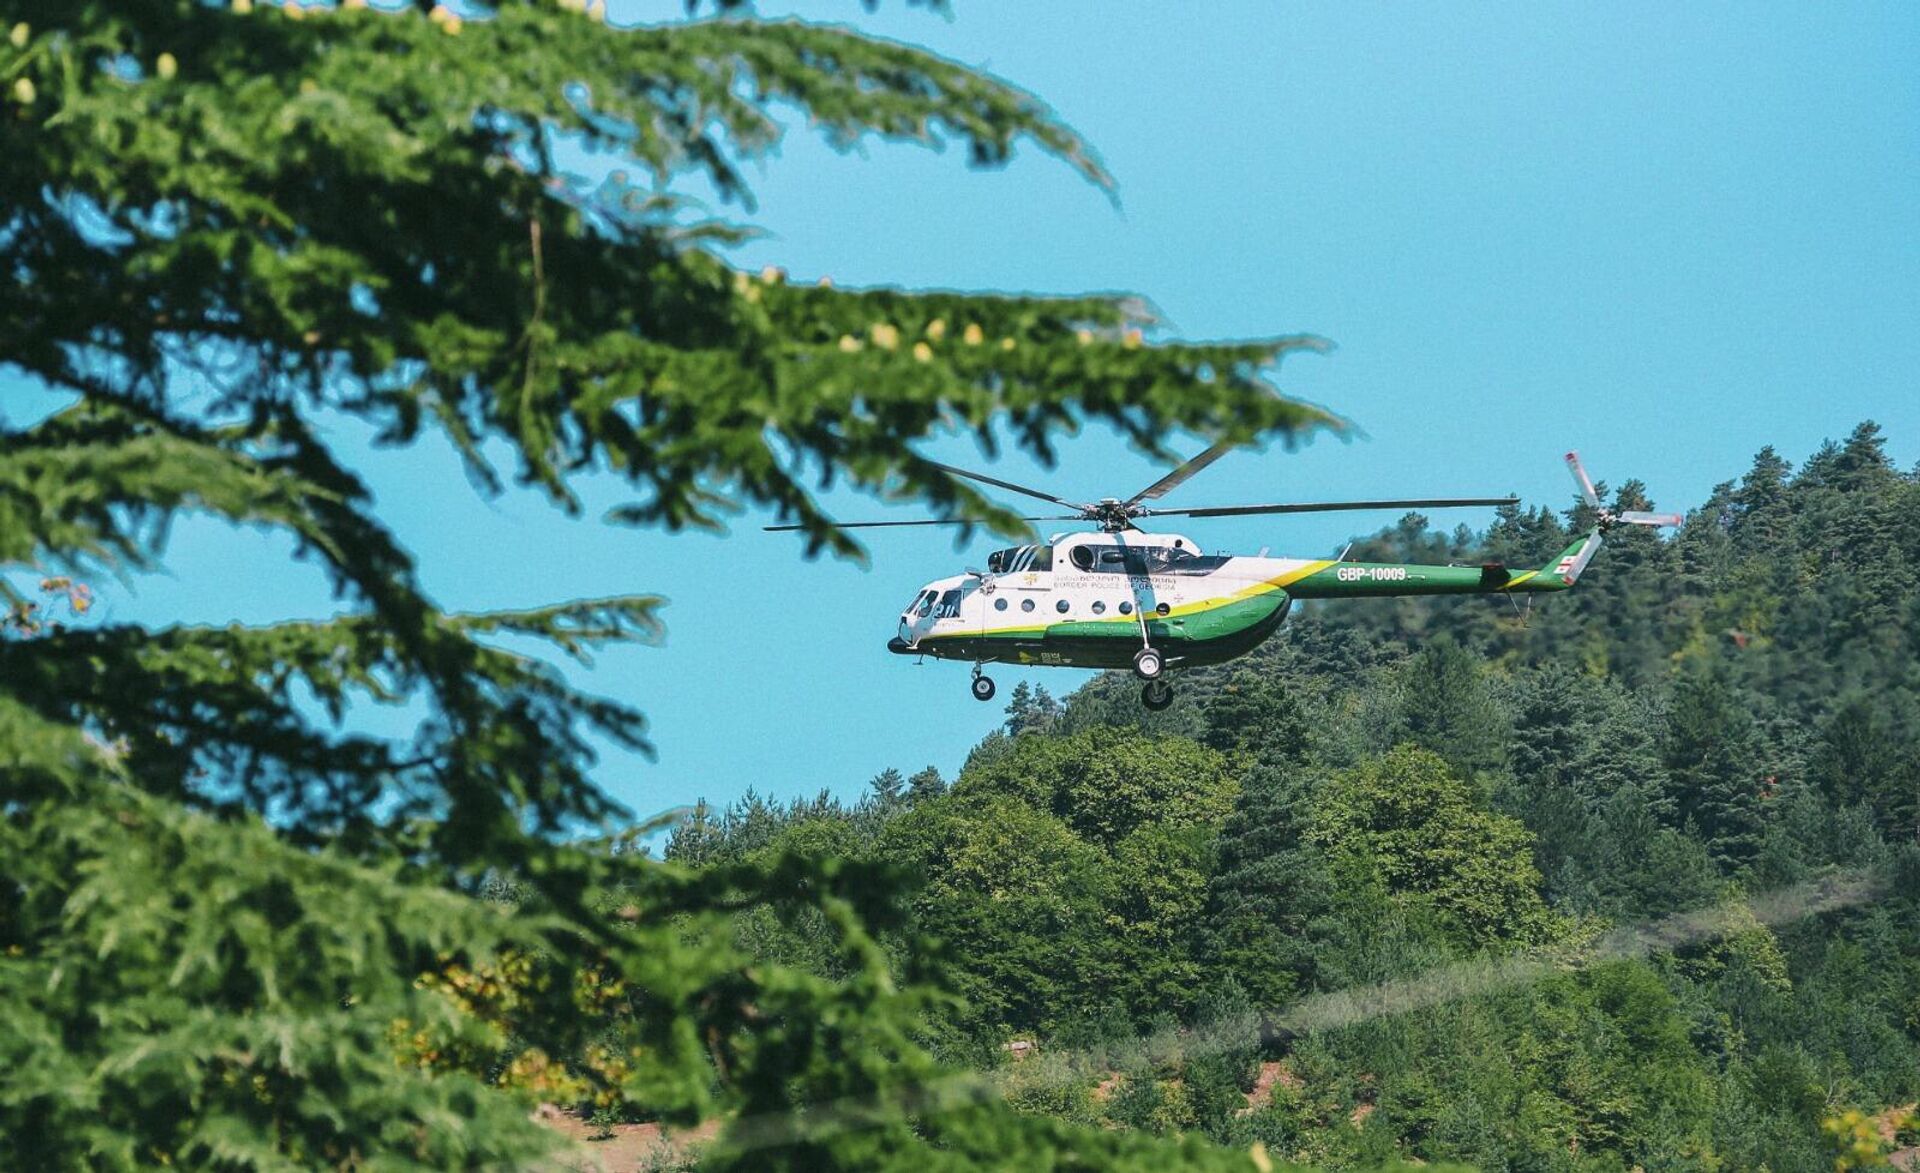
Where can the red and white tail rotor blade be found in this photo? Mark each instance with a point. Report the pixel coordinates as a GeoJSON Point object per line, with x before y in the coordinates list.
{"type": "Point", "coordinates": [1580, 478]}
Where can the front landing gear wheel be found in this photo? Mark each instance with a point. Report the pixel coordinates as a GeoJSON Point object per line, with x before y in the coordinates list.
{"type": "Point", "coordinates": [1148, 664]}
{"type": "Point", "coordinates": [1157, 695]}
{"type": "Point", "coordinates": [983, 688]}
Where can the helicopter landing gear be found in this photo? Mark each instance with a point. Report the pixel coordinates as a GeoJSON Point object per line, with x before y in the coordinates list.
{"type": "Point", "coordinates": [1148, 664]}
{"type": "Point", "coordinates": [982, 685]}
{"type": "Point", "coordinates": [1157, 695]}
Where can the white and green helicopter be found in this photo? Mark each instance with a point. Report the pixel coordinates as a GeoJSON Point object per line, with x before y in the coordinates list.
{"type": "Point", "coordinates": [1124, 597]}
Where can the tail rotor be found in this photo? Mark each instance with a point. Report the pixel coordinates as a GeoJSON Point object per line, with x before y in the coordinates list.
{"type": "Point", "coordinates": [1607, 517]}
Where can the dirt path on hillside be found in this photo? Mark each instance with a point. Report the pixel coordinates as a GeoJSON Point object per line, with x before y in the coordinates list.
{"type": "Point", "coordinates": [633, 1148]}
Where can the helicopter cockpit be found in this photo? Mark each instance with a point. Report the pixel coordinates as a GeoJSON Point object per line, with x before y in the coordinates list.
{"type": "Point", "coordinates": [934, 604]}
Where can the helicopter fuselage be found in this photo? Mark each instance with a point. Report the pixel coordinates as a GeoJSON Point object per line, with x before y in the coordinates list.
{"type": "Point", "coordinates": [1093, 600]}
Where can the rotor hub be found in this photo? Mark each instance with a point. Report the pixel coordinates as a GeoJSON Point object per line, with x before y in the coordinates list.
{"type": "Point", "coordinates": [1113, 515]}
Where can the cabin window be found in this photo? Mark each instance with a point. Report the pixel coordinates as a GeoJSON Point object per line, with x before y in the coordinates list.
{"type": "Point", "coordinates": [949, 607]}
{"type": "Point", "coordinates": [1126, 608]}
{"type": "Point", "coordinates": [1099, 608]}
{"type": "Point", "coordinates": [1138, 559]}
{"type": "Point", "coordinates": [999, 604]}
{"type": "Point", "coordinates": [1155, 559]}
{"type": "Point", "coordinates": [1026, 604]}
{"type": "Point", "coordinates": [1020, 559]}
{"type": "Point", "coordinates": [1061, 606]}
{"type": "Point", "coordinates": [1161, 609]}
{"type": "Point", "coordinates": [922, 606]}
{"type": "Point", "coordinates": [1124, 559]}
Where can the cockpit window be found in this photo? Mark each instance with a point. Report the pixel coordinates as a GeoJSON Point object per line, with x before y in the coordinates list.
{"type": "Point", "coordinates": [949, 607]}
{"type": "Point", "coordinates": [1019, 559]}
{"type": "Point", "coordinates": [923, 605]}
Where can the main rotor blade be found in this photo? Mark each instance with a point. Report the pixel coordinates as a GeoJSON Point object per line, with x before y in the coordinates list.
{"type": "Point", "coordinates": [929, 521]}
{"type": "Point", "coordinates": [1636, 517]}
{"type": "Point", "coordinates": [1334, 506]}
{"type": "Point", "coordinates": [1580, 478]}
{"type": "Point", "coordinates": [1009, 485]}
{"type": "Point", "coordinates": [1178, 476]}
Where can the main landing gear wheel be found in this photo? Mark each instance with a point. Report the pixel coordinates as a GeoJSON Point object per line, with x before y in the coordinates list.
{"type": "Point", "coordinates": [983, 688]}
{"type": "Point", "coordinates": [1157, 695]}
{"type": "Point", "coordinates": [1148, 664]}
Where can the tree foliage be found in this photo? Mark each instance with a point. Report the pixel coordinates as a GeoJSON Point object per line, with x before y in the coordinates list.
{"type": "Point", "coordinates": [241, 929]}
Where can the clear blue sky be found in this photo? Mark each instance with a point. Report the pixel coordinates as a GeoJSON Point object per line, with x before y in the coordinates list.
{"type": "Point", "coordinates": [1667, 235]}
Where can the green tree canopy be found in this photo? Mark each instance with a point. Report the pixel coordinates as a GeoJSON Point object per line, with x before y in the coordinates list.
{"type": "Point", "coordinates": [1270, 889]}
{"type": "Point", "coordinates": [1108, 782]}
{"type": "Point", "coordinates": [1408, 824]}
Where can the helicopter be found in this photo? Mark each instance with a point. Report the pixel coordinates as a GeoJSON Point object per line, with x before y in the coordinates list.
{"type": "Point", "coordinates": [1122, 596]}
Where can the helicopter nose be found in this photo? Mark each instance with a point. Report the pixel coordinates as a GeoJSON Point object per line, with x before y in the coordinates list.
{"type": "Point", "coordinates": [899, 647]}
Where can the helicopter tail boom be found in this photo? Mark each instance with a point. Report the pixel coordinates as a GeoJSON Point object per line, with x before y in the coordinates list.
{"type": "Point", "coordinates": [1346, 580]}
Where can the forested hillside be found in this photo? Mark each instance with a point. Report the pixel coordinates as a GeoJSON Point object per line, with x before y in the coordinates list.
{"type": "Point", "coordinates": [1398, 797]}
